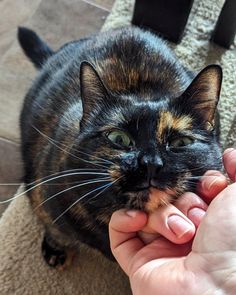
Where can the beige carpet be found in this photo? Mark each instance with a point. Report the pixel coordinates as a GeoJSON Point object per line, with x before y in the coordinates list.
{"type": "Point", "coordinates": [22, 269]}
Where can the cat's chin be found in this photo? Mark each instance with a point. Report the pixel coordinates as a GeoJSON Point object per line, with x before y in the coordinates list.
{"type": "Point", "coordinates": [150, 199]}
{"type": "Point", "coordinates": [157, 198]}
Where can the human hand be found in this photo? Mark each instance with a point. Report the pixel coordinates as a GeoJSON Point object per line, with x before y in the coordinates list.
{"type": "Point", "coordinates": [162, 267]}
{"type": "Point", "coordinates": [179, 221]}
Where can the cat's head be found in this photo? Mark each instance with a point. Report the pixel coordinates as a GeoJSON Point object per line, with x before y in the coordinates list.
{"type": "Point", "coordinates": [162, 145]}
{"type": "Point", "coordinates": [157, 142]}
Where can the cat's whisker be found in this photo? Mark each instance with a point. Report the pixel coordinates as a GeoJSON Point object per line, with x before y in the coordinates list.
{"type": "Point", "coordinates": [111, 183]}
{"type": "Point", "coordinates": [19, 183]}
{"type": "Point", "coordinates": [82, 152]}
{"type": "Point", "coordinates": [200, 177]}
{"type": "Point", "coordinates": [70, 170]}
{"type": "Point", "coordinates": [48, 184]}
{"type": "Point", "coordinates": [51, 179]}
{"type": "Point", "coordinates": [191, 182]}
{"type": "Point", "coordinates": [203, 166]}
{"type": "Point", "coordinates": [56, 145]}
{"type": "Point", "coordinates": [95, 157]}
{"type": "Point", "coordinates": [164, 201]}
{"type": "Point", "coordinates": [85, 195]}
{"type": "Point", "coordinates": [45, 177]}
{"type": "Point", "coordinates": [11, 183]}
{"type": "Point", "coordinates": [194, 169]}
{"type": "Point", "coordinates": [95, 180]}
{"type": "Point", "coordinates": [103, 187]}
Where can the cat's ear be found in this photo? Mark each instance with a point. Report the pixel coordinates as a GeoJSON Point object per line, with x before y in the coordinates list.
{"type": "Point", "coordinates": [34, 48]}
{"type": "Point", "coordinates": [93, 91]}
{"type": "Point", "coordinates": [203, 93]}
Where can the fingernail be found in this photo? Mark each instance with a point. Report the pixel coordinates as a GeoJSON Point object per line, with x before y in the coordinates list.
{"type": "Point", "coordinates": [179, 226]}
{"type": "Point", "coordinates": [196, 215]}
{"type": "Point", "coordinates": [131, 213]}
{"type": "Point", "coordinates": [207, 184]}
{"type": "Point", "coordinates": [229, 150]}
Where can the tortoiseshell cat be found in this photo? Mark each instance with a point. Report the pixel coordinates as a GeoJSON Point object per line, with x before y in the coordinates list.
{"type": "Point", "coordinates": [108, 119]}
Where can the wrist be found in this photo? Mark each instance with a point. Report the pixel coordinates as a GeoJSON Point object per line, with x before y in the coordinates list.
{"type": "Point", "coordinates": [215, 272]}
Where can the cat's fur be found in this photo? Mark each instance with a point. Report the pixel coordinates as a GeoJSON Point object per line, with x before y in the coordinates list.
{"type": "Point", "coordinates": [123, 80]}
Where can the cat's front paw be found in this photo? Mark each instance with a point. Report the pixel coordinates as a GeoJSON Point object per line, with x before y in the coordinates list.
{"type": "Point", "coordinates": [53, 256]}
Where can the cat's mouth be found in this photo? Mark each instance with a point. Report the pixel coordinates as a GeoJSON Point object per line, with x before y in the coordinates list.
{"type": "Point", "coordinates": [142, 188]}
{"type": "Point", "coordinates": [153, 197]}
{"type": "Point", "coordinates": [150, 184]}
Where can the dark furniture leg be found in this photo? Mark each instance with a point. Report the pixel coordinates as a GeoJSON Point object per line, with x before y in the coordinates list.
{"type": "Point", "coordinates": [166, 17]}
{"type": "Point", "coordinates": [225, 29]}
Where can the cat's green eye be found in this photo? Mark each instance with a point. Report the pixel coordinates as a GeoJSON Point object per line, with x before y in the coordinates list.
{"type": "Point", "coordinates": [180, 142]}
{"type": "Point", "coordinates": [120, 138]}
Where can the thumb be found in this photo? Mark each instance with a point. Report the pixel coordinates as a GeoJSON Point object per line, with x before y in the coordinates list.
{"type": "Point", "coordinates": [130, 251]}
{"type": "Point", "coordinates": [124, 242]}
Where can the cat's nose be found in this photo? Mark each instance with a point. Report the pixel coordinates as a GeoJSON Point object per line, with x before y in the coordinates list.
{"type": "Point", "coordinates": [152, 166]}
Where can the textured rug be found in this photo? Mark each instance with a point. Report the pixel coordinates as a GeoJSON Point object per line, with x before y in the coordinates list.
{"type": "Point", "coordinates": [22, 269]}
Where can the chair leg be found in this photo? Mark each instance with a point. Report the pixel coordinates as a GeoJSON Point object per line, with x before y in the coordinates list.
{"type": "Point", "coordinates": [225, 28]}
{"type": "Point", "coordinates": [166, 17]}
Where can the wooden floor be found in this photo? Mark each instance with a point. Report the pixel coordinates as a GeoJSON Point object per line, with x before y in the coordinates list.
{"type": "Point", "coordinates": [10, 159]}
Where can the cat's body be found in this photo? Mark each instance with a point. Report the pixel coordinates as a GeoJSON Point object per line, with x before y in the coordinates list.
{"type": "Point", "coordinates": [135, 129]}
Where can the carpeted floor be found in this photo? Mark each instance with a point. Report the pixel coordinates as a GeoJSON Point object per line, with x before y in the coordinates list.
{"type": "Point", "coordinates": [22, 269]}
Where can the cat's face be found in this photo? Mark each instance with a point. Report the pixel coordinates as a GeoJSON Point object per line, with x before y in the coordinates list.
{"type": "Point", "coordinates": [146, 145]}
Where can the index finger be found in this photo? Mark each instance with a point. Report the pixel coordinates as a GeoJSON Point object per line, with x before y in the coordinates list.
{"type": "Point", "coordinates": [211, 184]}
{"type": "Point", "coordinates": [229, 158]}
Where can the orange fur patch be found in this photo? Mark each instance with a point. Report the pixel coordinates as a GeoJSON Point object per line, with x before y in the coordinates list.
{"type": "Point", "coordinates": [36, 199]}
{"type": "Point", "coordinates": [157, 198]}
{"type": "Point", "coordinates": [114, 171]}
{"type": "Point", "coordinates": [115, 75]}
{"type": "Point", "coordinates": [168, 120]}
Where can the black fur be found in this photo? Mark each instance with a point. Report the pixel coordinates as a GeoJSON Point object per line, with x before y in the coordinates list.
{"type": "Point", "coordinates": [36, 50]}
{"type": "Point", "coordinates": [126, 80]}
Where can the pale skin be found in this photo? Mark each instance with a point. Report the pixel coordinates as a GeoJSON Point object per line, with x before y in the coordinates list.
{"type": "Point", "coordinates": [196, 252]}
